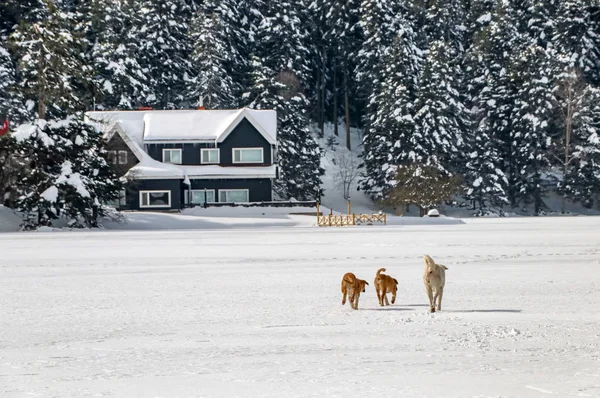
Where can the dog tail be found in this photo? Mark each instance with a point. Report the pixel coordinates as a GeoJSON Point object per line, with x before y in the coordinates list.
{"type": "Point", "coordinates": [380, 270]}
{"type": "Point", "coordinates": [428, 260]}
{"type": "Point", "coordinates": [350, 278]}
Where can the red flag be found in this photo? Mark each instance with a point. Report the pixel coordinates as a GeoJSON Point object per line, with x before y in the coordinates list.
{"type": "Point", "coordinates": [4, 128]}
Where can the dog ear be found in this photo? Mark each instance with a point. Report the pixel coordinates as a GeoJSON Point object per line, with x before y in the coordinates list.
{"type": "Point", "coordinates": [366, 283]}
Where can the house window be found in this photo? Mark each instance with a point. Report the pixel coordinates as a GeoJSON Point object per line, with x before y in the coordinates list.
{"type": "Point", "coordinates": [248, 155]}
{"type": "Point", "coordinates": [210, 155]}
{"type": "Point", "coordinates": [155, 198]}
{"type": "Point", "coordinates": [198, 196]}
{"type": "Point", "coordinates": [112, 157]}
{"type": "Point", "coordinates": [233, 195]}
{"type": "Point", "coordinates": [118, 202]}
{"type": "Point", "coordinates": [122, 157]}
{"type": "Point", "coordinates": [172, 156]}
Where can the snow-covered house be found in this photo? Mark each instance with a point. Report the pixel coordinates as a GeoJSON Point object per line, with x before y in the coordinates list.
{"type": "Point", "coordinates": [173, 158]}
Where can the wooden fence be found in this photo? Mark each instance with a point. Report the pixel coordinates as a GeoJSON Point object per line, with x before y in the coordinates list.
{"type": "Point", "coordinates": [331, 220]}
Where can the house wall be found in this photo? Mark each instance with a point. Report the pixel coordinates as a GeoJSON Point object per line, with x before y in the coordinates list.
{"type": "Point", "coordinates": [190, 153]}
{"type": "Point", "coordinates": [244, 135]}
{"type": "Point", "coordinates": [260, 190]}
{"type": "Point", "coordinates": [133, 192]}
{"type": "Point", "coordinates": [116, 143]}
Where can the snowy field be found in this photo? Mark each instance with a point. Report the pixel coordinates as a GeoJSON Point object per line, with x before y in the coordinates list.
{"type": "Point", "coordinates": [255, 312]}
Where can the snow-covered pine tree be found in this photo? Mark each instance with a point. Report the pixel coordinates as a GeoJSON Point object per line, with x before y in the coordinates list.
{"type": "Point", "coordinates": [67, 173]}
{"type": "Point", "coordinates": [531, 72]}
{"type": "Point", "coordinates": [122, 82]}
{"type": "Point", "coordinates": [279, 67]}
{"type": "Point", "coordinates": [162, 32]}
{"type": "Point", "coordinates": [446, 22]}
{"type": "Point", "coordinates": [576, 147]}
{"type": "Point", "coordinates": [537, 22]}
{"type": "Point", "coordinates": [384, 84]}
{"type": "Point", "coordinates": [217, 64]}
{"type": "Point", "coordinates": [490, 98]}
{"type": "Point", "coordinates": [51, 67]}
{"type": "Point", "coordinates": [11, 108]}
{"type": "Point", "coordinates": [440, 117]}
{"type": "Point", "coordinates": [343, 40]}
{"type": "Point", "coordinates": [577, 36]}
{"type": "Point", "coordinates": [391, 109]}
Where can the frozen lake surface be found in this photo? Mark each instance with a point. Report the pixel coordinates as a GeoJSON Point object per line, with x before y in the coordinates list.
{"type": "Point", "coordinates": [257, 312]}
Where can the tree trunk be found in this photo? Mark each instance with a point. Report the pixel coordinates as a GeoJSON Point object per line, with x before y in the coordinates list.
{"type": "Point", "coordinates": [319, 105]}
{"type": "Point", "coordinates": [347, 110]}
{"type": "Point", "coordinates": [335, 102]}
{"type": "Point", "coordinates": [568, 132]}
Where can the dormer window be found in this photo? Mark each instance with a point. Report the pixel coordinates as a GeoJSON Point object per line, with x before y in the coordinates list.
{"type": "Point", "coordinates": [210, 155]}
{"type": "Point", "coordinates": [248, 155]}
{"type": "Point", "coordinates": [172, 156]}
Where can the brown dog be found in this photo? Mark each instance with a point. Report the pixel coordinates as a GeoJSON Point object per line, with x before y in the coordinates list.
{"type": "Point", "coordinates": [434, 278]}
{"type": "Point", "coordinates": [352, 286]}
{"type": "Point", "coordinates": [385, 284]}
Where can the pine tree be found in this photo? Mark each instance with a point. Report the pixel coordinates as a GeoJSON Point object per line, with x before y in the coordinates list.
{"type": "Point", "coordinates": [279, 65]}
{"type": "Point", "coordinates": [531, 72]}
{"type": "Point", "coordinates": [491, 96]}
{"type": "Point", "coordinates": [576, 147]}
{"type": "Point", "coordinates": [384, 85]}
{"type": "Point", "coordinates": [50, 63]}
{"type": "Point", "coordinates": [67, 176]}
{"type": "Point", "coordinates": [440, 114]}
{"type": "Point", "coordinates": [446, 22]}
{"type": "Point", "coordinates": [343, 39]}
{"type": "Point", "coordinates": [389, 135]}
{"type": "Point", "coordinates": [121, 80]}
{"type": "Point", "coordinates": [217, 64]}
{"type": "Point", "coordinates": [164, 50]}
{"type": "Point", "coordinates": [576, 36]}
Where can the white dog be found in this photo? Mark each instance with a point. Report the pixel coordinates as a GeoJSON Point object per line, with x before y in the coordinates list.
{"type": "Point", "coordinates": [434, 279]}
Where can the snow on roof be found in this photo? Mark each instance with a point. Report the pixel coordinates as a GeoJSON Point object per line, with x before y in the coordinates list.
{"type": "Point", "coordinates": [188, 125]}
{"type": "Point", "coordinates": [139, 127]}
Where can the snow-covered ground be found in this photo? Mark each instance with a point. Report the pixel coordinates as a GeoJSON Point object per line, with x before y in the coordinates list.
{"type": "Point", "coordinates": [255, 312]}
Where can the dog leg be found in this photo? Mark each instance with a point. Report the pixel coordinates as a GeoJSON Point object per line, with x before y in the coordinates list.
{"type": "Point", "coordinates": [393, 297]}
{"type": "Point", "coordinates": [440, 299]}
{"type": "Point", "coordinates": [385, 297]}
{"type": "Point", "coordinates": [356, 301]}
{"type": "Point", "coordinates": [430, 296]}
{"type": "Point", "coordinates": [378, 296]}
{"type": "Point", "coordinates": [344, 296]}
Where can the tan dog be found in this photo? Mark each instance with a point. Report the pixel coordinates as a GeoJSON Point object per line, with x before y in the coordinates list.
{"type": "Point", "coordinates": [385, 284]}
{"type": "Point", "coordinates": [352, 286]}
{"type": "Point", "coordinates": [434, 279]}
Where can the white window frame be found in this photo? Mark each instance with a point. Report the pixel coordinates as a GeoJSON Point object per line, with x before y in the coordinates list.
{"type": "Point", "coordinates": [262, 155]}
{"type": "Point", "coordinates": [154, 206]}
{"type": "Point", "coordinates": [112, 157]}
{"type": "Point", "coordinates": [186, 199]}
{"type": "Point", "coordinates": [122, 157]}
{"type": "Point", "coordinates": [203, 150]}
{"type": "Point", "coordinates": [226, 191]}
{"type": "Point", "coordinates": [172, 150]}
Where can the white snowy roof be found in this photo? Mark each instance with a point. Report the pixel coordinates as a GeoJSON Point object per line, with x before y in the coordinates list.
{"type": "Point", "coordinates": [136, 126]}
{"type": "Point", "coordinates": [189, 125]}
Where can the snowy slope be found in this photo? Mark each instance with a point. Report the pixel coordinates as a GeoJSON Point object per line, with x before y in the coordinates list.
{"type": "Point", "coordinates": [256, 312]}
{"type": "Point", "coordinates": [334, 198]}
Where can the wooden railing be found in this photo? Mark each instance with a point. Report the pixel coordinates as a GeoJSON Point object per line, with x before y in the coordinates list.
{"type": "Point", "coordinates": [340, 220]}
